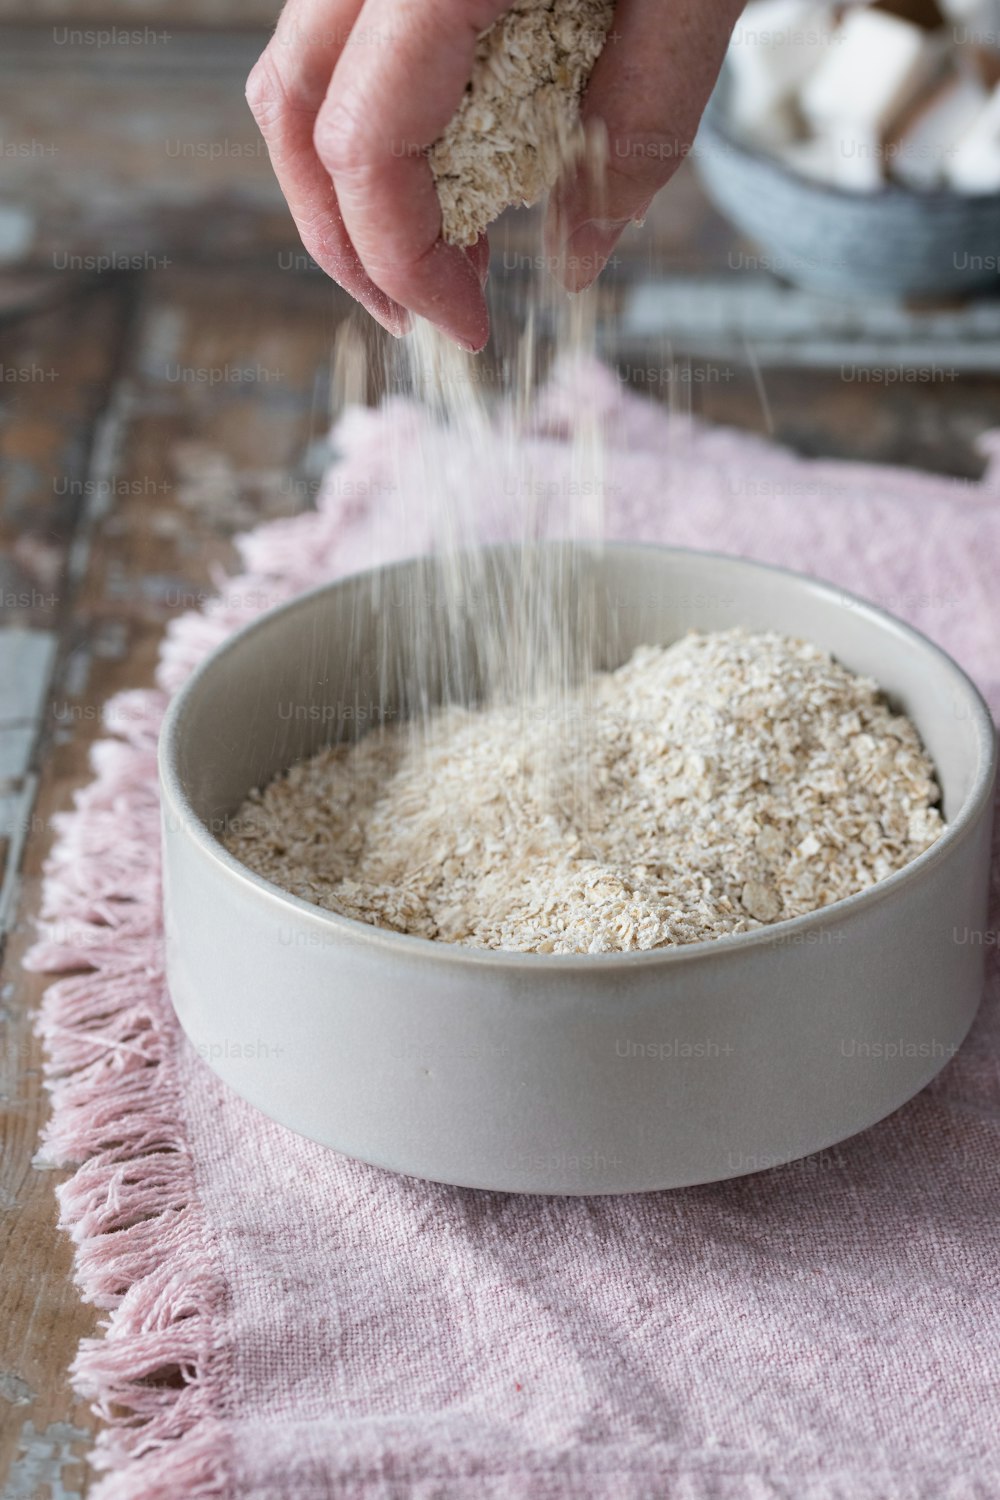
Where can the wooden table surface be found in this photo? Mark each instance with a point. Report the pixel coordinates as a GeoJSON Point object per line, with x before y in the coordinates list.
{"type": "Point", "coordinates": [141, 269]}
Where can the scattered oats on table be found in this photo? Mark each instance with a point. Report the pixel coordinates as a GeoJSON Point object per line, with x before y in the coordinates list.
{"type": "Point", "coordinates": [707, 788]}
{"type": "Point", "coordinates": [506, 140]}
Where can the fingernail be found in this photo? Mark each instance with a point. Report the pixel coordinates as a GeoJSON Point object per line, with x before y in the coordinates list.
{"type": "Point", "coordinates": [398, 327]}
{"type": "Point", "coordinates": [393, 318]}
{"type": "Point", "coordinates": [588, 250]}
{"type": "Point", "coordinates": [471, 331]}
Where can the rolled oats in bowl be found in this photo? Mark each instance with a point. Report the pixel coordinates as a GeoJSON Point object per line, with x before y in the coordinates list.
{"type": "Point", "coordinates": [704, 789]}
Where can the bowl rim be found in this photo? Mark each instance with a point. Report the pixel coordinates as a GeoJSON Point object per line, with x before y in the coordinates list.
{"type": "Point", "coordinates": [718, 133]}
{"type": "Point", "coordinates": [776, 934]}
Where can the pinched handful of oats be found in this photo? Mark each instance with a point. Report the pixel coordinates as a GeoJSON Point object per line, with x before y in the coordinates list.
{"type": "Point", "coordinates": [510, 135]}
{"type": "Point", "coordinates": [703, 789]}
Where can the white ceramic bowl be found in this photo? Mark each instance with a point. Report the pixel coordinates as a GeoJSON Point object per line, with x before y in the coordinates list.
{"type": "Point", "coordinates": [564, 1074]}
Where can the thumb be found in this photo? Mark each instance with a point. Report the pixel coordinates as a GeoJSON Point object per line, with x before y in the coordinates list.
{"type": "Point", "coordinates": [641, 111]}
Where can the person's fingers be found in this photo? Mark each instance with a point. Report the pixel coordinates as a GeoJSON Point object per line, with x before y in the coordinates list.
{"type": "Point", "coordinates": [285, 90]}
{"type": "Point", "coordinates": [388, 102]}
{"type": "Point", "coordinates": [646, 95]}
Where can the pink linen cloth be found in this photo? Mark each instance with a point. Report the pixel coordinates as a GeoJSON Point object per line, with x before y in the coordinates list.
{"type": "Point", "coordinates": [828, 1330]}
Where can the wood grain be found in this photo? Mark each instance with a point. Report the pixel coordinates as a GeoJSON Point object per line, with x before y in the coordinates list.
{"type": "Point", "coordinates": [128, 157]}
{"type": "Point", "coordinates": [136, 14]}
{"type": "Point", "coordinates": [67, 353]}
{"type": "Point", "coordinates": [145, 537]}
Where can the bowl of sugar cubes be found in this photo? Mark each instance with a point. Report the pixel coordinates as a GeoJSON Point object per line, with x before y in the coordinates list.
{"type": "Point", "coordinates": [859, 145]}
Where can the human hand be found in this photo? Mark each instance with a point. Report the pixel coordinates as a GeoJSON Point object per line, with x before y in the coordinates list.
{"type": "Point", "coordinates": [646, 94]}
{"type": "Point", "coordinates": [349, 94]}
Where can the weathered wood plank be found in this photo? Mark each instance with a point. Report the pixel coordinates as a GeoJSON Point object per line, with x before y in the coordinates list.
{"type": "Point", "coordinates": [178, 465]}
{"type": "Point", "coordinates": [931, 425]}
{"type": "Point", "coordinates": [56, 366]}
{"type": "Point", "coordinates": [710, 317]}
{"type": "Point", "coordinates": [134, 15]}
{"type": "Point", "coordinates": [61, 359]}
{"type": "Point", "coordinates": [55, 369]}
{"type": "Point", "coordinates": [125, 157]}
{"type": "Point", "coordinates": [27, 658]}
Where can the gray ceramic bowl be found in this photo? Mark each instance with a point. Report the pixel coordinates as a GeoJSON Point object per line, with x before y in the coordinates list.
{"type": "Point", "coordinates": [564, 1074]}
{"type": "Point", "coordinates": [895, 243]}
